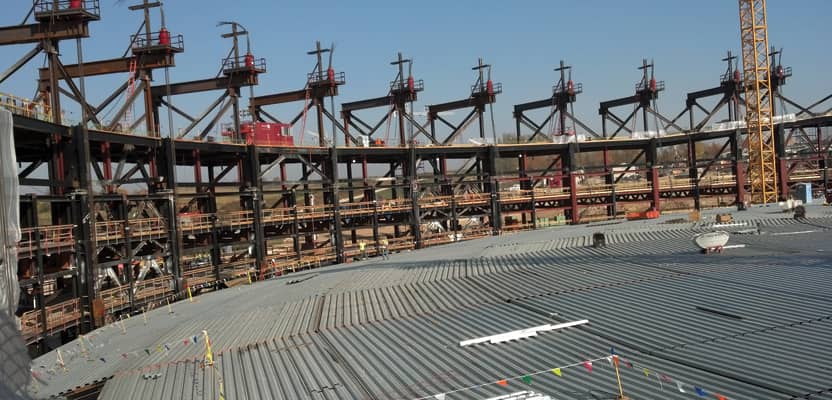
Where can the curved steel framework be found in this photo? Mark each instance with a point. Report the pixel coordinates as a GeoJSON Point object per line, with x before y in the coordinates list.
{"type": "Point", "coordinates": [132, 220]}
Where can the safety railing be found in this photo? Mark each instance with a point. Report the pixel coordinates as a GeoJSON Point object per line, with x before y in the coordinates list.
{"type": "Point", "coordinates": [428, 202]}
{"type": "Point", "coordinates": [402, 86]}
{"type": "Point", "coordinates": [319, 255]}
{"type": "Point", "coordinates": [278, 215]}
{"type": "Point", "coordinates": [720, 180]}
{"type": "Point", "coordinates": [551, 193]}
{"type": "Point", "coordinates": [236, 218]}
{"type": "Point", "coordinates": [353, 209]}
{"type": "Point", "coordinates": [162, 40]}
{"type": "Point", "coordinates": [58, 317]}
{"type": "Point", "coordinates": [401, 243]}
{"type": "Point", "coordinates": [51, 237]}
{"type": "Point", "coordinates": [109, 230]}
{"type": "Point", "coordinates": [496, 88]}
{"type": "Point", "coordinates": [115, 298]}
{"type": "Point", "coordinates": [195, 222]}
{"type": "Point", "coordinates": [676, 184]}
{"type": "Point", "coordinates": [147, 227]}
{"type": "Point", "coordinates": [26, 107]}
{"type": "Point", "coordinates": [64, 8]}
{"type": "Point", "coordinates": [154, 288]}
{"type": "Point", "coordinates": [472, 199]}
{"type": "Point", "coordinates": [434, 239]}
{"type": "Point", "coordinates": [509, 196]}
{"type": "Point", "coordinates": [354, 249]}
{"type": "Point", "coordinates": [394, 205]}
{"type": "Point", "coordinates": [644, 85]}
{"type": "Point", "coordinates": [804, 175]}
{"type": "Point", "coordinates": [315, 78]}
{"type": "Point", "coordinates": [237, 268]}
{"type": "Point", "coordinates": [576, 88]}
{"type": "Point", "coordinates": [198, 276]}
{"type": "Point", "coordinates": [246, 63]}
{"type": "Point", "coordinates": [315, 212]}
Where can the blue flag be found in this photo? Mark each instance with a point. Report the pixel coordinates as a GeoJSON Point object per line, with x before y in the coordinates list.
{"type": "Point", "coordinates": [701, 392]}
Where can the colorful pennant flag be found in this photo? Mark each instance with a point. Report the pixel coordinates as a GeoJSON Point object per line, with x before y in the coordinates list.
{"type": "Point", "coordinates": [680, 386]}
{"type": "Point", "coordinates": [502, 382]}
{"type": "Point", "coordinates": [701, 392]}
{"type": "Point", "coordinates": [588, 366]}
{"type": "Point", "coordinates": [527, 379]}
{"type": "Point", "coordinates": [557, 372]}
{"type": "Point", "coordinates": [440, 396]}
{"type": "Point", "coordinates": [646, 372]}
{"type": "Point", "coordinates": [720, 397]}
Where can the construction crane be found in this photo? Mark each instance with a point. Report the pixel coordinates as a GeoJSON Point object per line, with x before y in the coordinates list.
{"type": "Point", "coordinates": [762, 158]}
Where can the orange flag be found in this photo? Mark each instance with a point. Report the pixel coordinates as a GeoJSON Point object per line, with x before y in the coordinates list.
{"type": "Point", "coordinates": [502, 382]}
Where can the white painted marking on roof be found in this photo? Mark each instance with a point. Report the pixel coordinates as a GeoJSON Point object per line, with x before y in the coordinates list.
{"type": "Point", "coordinates": [729, 225]}
{"type": "Point", "coordinates": [522, 333]}
{"type": "Point", "coordinates": [734, 246]}
{"type": "Point", "coordinates": [792, 233]}
{"type": "Point", "coordinates": [524, 395]}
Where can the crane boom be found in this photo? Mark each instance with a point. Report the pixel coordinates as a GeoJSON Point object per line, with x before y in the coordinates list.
{"type": "Point", "coordinates": [762, 157]}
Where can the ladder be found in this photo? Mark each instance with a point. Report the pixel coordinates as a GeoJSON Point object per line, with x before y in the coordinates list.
{"type": "Point", "coordinates": [131, 88]}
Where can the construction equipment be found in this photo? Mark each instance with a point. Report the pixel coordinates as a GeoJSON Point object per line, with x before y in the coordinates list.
{"type": "Point", "coordinates": [762, 158]}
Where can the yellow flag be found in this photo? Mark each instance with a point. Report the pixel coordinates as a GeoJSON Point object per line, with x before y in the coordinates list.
{"type": "Point", "coordinates": [557, 372]}
{"type": "Point", "coordinates": [646, 372]}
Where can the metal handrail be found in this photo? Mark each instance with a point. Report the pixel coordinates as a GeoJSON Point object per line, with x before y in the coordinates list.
{"type": "Point", "coordinates": [644, 85]}
{"type": "Point", "coordinates": [401, 86]}
{"type": "Point", "coordinates": [496, 88]}
{"type": "Point", "coordinates": [339, 78]}
{"type": "Point", "coordinates": [90, 7]}
{"type": "Point", "coordinates": [239, 63]}
{"type": "Point", "coordinates": [576, 88]}
{"type": "Point", "coordinates": [141, 41]}
{"type": "Point", "coordinates": [26, 107]}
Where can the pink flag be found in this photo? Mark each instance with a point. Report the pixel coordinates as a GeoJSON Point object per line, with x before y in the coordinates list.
{"type": "Point", "coordinates": [588, 366]}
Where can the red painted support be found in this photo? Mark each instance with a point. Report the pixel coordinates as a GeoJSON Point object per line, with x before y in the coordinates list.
{"type": "Point", "coordinates": [655, 197]}
{"type": "Point", "coordinates": [740, 184]}
{"type": "Point", "coordinates": [573, 197]}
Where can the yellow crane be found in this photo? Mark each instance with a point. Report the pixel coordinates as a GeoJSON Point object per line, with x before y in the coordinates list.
{"type": "Point", "coordinates": [762, 157]}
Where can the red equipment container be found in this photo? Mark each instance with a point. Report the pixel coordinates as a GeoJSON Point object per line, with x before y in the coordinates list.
{"type": "Point", "coordinates": [249, 60]}
{"type": "Point", "coordinates": [75, 4]}
{"type": "Point", "coordinates": [164, 37]}
{"type": "Point", "coordinates": [266, 134]}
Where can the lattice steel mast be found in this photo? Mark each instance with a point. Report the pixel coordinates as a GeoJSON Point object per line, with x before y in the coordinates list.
{"type": "Point", "coordinates": [762, 162]}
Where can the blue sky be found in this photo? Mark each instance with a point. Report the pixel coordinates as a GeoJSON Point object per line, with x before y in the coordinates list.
{"type": "Point", "coordinates": [603, 40]}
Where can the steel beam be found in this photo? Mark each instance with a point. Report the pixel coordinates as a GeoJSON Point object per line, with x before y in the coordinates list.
{"type": "Point", "coordinates": [112, 66]}
{"type": "Point", "coordinates": [34, 33]}
{"type": "Point", "coordinates": [204, 85]}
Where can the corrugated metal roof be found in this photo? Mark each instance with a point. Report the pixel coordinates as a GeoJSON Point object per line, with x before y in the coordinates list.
{"type": "Point", "coordinates": [751, 323]}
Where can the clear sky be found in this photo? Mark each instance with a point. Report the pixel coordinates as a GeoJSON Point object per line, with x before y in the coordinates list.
{"type": "Point", "coordinates": [603, 40]}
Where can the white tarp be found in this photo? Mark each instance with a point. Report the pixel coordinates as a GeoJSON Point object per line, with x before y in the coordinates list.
{"type": "Point", "coordinates": [9, 216]}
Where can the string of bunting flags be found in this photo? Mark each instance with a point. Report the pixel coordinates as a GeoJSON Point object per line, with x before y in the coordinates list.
{"type": "Point", "coordinates": [663, 380]}
{"type": "Point", "coordinates": [86, 347]}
